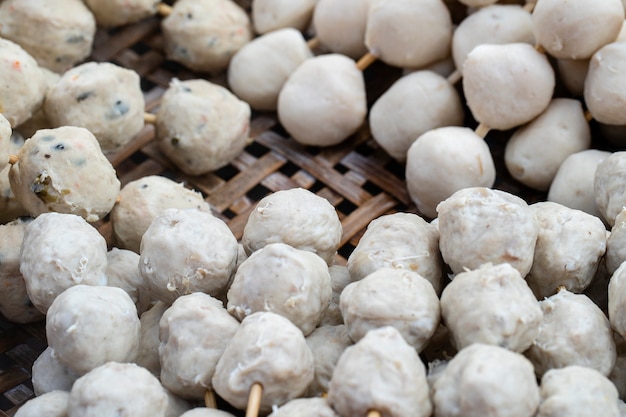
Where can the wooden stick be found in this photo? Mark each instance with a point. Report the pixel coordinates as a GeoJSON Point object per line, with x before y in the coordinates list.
{"type": "Point", "coordinates": [365, 61]}
{"type": "Point", "coordinates": [13, 159]}
{"type": "Point", "coordinates": [313, 43]}
{"type": "Point", "coordinates": [482, 130]}
{"type": "Point", "coordinates": [374, 413]}
{"type": "Point", "coordinates": [209, 399]}
{"type": "Point", "coordinates": [149, 118]}
{"type": "Point", "coordinates": [529, 6]}
{"type": "Point", "coordinates": [588, 115]}
{"type": "Point", "coordinates": [455, 77]}
{"type": "Point", "coordinates": [164, 9]}
{"type": "Point", "coordinates": [254, 400]}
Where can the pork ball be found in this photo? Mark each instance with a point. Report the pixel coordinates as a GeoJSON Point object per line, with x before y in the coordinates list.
{"type": "Point", "coordinates": [609, 186]}
{"type": "Point", "coordinates": [270, 15]}
{"type": "Point", "coordinates": [121, 12]}
{"type": "Point", "coordinates": [340, 26]}
{"type": "Point", "coordinates": [327, 343]}
{"type": "Point", "coordinates": [51, 404]}
{"type": "Point", "coordinates": [605, 86]}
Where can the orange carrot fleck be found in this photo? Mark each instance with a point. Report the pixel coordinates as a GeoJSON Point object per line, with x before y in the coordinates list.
{"type": "Point", "coordinates": [17, 65]}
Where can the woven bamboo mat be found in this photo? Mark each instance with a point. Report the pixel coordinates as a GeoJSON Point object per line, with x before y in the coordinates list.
{"type": "Point", "coordinates": [357, 176]}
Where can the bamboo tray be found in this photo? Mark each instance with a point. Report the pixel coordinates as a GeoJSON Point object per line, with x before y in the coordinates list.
{"type": "Point", "coordinates": [356, 176]}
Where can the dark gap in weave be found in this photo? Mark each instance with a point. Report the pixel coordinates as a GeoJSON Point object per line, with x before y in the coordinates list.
{"type": "Point", "coordinates": [346, 250]}
{"type": "Point", "coordinates": [371, 188]}
{"type": "Point", "coordinates": [258, 192]}
{"type": "Point", "coordinates": [256, 149]}
{"type": "Point", "coordinates": [396, 168]}
{"type": "Point", "coordinates": [317, 186]}
{"type": "Point", "coordinates": [227, 172]}
{"type": "Point", "coordinates": [228, 213]}
{"type": "Point", "coordinates": [340, 168]}
{"type": "Point", "coordinates": [138, 158]}
{"type": "Point", "coordinates": [5, 403]}
{"type": "Point", "coordinates": [146, 85]}
{"type": "Point", "coordinates": [364, 149]}
{"type": "Point", "coordinates": [345, 207]}
{"type": "Point", "coordinates": [140, 48]}
{"type": "Point", "coordinates": [289, 169]}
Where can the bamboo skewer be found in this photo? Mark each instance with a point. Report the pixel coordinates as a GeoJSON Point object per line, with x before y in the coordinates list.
{"type": "Point", "coordinates": [254, 400]}
{"type": "Point", "coordinates": [209, 399]}
{"type": "Point", "coordinates": [164, 9]}
{"type": "Point", "coordinates": [13, 159]}
{"type": "Point", "coordinates": [365, 61]}
{"type": "Point", "coordinates": [149, 118]}
{"type": "Point", "coordinates": [374, 413]}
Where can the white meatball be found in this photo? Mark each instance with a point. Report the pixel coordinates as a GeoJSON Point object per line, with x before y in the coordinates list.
{"type": "Point", "coordinates": [494, 24]}
{"type": "Point", "coordinates": [185, 251]}
{"type": "Point", "coordinates": [205, 412]}
{"type": "Point", "coordinates": [149, 341]}
{"type": "Point", "coordinates": [438, 165]}
{"type": "Point", "coordinates": [572, 32]}
{"type": "Point", "coordinates": [486, 380]}
{"type": "Point", "coordinates": [297, 217]}
{"type": "Point", "coordinates": [193, 321]}
{"type": "Point", "coordinates": [609, 186]}
{"type": "Point", "coordinates": [88, 326]}
{"type": "Point", "coordinates": [577, 391]}
{"type": "Point", "coordinates": [51, 404]}
{"type": "Point", "coordinates": [340, 26]}
{"type": "Point", "coordinates": [203, 35]}
{"type": "Point", "coordinates": [121, 12]}
{"type": "Point", "coordinates": [102, 97]}
{"type": "Point", "coordinates": [394, 26]}
{"type": "Point", "coordinates": [269, 350]}
{"type": "Point", "coordinates": [58, 34]}
{"type": "Point", "coordinates": [574, 331]}
{"type": "Point", "coordinates": [491, 305]}
{"type": "Point", "coordinates": [269, 15]}
{"type": "Point", "coordinates": [616, 243]}
{"type": "Point", "coordinates": [142, 200]}
{"type": "Point", "coordinates": [339, 278]}
{"type": "Point", "coordinates": [258, 71]}
{"type": "Point", "coordinates": [327, 343]}
{"type": "Point", "coordinates": [618, 374]}
{"type": "Point", "coordinates": [617, 300]}
{"type": "Point", "coordinates": [201, 126]}
{"type": "Point", "coordinates": [392, 297]}
{"type": "Point", "coordinates": [413, 105]}
{"type": "Point", "coordinates": [381, 372]}
{"type": "Point", "coordinates": [573, 183]}
{"type": "Point", "coordinates": [402, 241]}
{"type": "Point", "coordinates": [64, 170]}
{"type": "Point", "coordinates": [507, 85]}
{"type": "Point", "coordinates": [6, 147]}
{"type": "Point", "coordinates": [535, 152]}
{"type": "Point", "coordinates": [479, 225]}
{"type": "Point", "coordinates": [605, 85]}
{"type": "Point", "coordinates": [305, 407]}
{"type": "Point", "coordinates": [48, 374]}
{"type": "Point", "coordinates": [570, 245]}
{"type": "Point", "coordinates": [335, 105]}
{"type": "Point", "coordinates": [60, 251]}
{"type": "Point", "coordinates": [278, 278]}
{"type": "Point", "coordinates": [39, 120]}
{"type": "Point", "coordinates": [117, 388]}
{"type": "Point", "coordinates": [122, 271]}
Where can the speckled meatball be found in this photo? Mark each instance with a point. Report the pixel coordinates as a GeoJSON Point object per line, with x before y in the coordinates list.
{"type": "Point", "coordinates": [392, 297]}
{"type": "Point", "coordinates": [270, 15]}
{"type": "Point", "coordinates": [340, 26]}
{"type": "Point", "coordinates": [48, 374]}
{"type": "Point", "coordinates": [269, 350]}
{"type": "Point", "coordinates": [327, 343]}
{"type": "Point", "coordinates": [297, 217]}
{"type": "Point", "coordinates": [185, 251]}
{"type": "Point", "coordinates": [149, 341]}
{"type": "Point", "coordinates": [58, 252]}
{"type": "Point", "coordinates": [141, 200]}
{"type": "Point", "coordinates": [117, 388]}
{"type": "Point", "coordinates": [305, 407]}
{"type": "Point", "coordinates": [121, 12]}
{"type": "Point", "coordinates": [610, 187]}
{"type": "Point", "coordinates": [39, 120]}
{"type": "Point", "coordinates": [479, 225]}
{"type": "Point", "coordinates": [570, 245]}
{"type": "Point", "coordinates": [617, 300]}
{"type": "Point", "coordinates": [193, 321]}
{"type": "Point", "coordinates": [64, 170]}
{"type": "Point", "coordinates": [279, 278]}
{"type": "Point", "coordinates": [491, 305]}
{"type": "Point", "coordinates": [486, 380]}
{"type": "Point", "coordinates": [381, 372]}
{"type": "Point", "coordinates": [122, 271]}
{"type": "Point", "coordinates": [507, 85]}
{"type": "Point", "coordinates": [335, 105]}
{"type": "Point", "coordinates": [574, 331]}
{"type": "Point", "coordinates": [51, 404]}
{"type": "Point", "coordinates": [577, 391]}
{"type": "Point", "coordinates": [258, 71]}
{"type": "Point", "coordinates": [605, 85]}
{"type": "Point", "coordinates": [15, 305]}
{"type": "Point", "coordinates": [102, 97]}
{"type": "Point", "coordinates": [81, 321]}
{"type": "Point", "coordinates": [413, 105]}
{"type": "Point", "coordinates": [201, 126]}
{"type": "Point", "coordinates": [24, 86]}
{"type": "Point", "coordinates": [64, 32]}
{"type": "Point", "coordinates": [203, 35]}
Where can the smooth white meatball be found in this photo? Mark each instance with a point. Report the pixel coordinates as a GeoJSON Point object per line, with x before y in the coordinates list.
{"type": "Point", "coordinates": [297, 217]}
{"type": "Point", "coordinates": [60, 251]}
{"type": "Point", "coordinates": [535, 152]}
{"type": "Point", "coordinates": [88, 326]}
{"type": "Point", "coordinates": [574, 331]}
{"type": "Point", "coordinates": [51, 404]}
{"type": "Point", "coordinates": [402, 241]}
{"type": "Point", "coordinates": [617, 300]}
{"type": "Point", "coordinates": [335, 105]}
{"type": "Point", "coordinates": [573, 183]}
{"type": "Point", "coordinates": [413, 105]}
{"type": "Point", "coordinates": [121, 12]}
{"type": "Point", "coordinates": [149, 341]}
{"type": "Point", "coordinates": [185, 251]}
{"type": "Point", "coordinates": [443, 161]}
{"type": "Point", "coordinates": [305, 407]}
{"type": "Point", "coordinates": [339, 278]}
{"type": "Point", "coordinates": [605, 85]}
{"type": "Point", "coordinates": [48, 374]}
{"type": "Point", "coordinates": [201, 126]}
{"type": "Point", "coordinates": [269, 350]}
{"type": "Point", "coordinates": [486, 380]}
{"type": "Point", "coordinates": [122, 271]}
{"type": "Point", "coordinates": [340, 26]}
{"type": "Point", "coordinates": [258, 71]}
{"type": "Point", "coordinates": [394, 26]}
{"type": "Point", "coordinates": [269, 15]}
{"type": "Point", "coordinates": [392, 297]}
{"type": "Point", "coordinates": [479, 225]}
{"type": "Point", "coordinates": [206, 412]}
{"type": "Point", "coordinates": [572, 31]}
{"type": "Point", "coordinates": [491, 305]}
{"type": "Point", "coordinates": [381, 372]}
{"type": "Point", "coordinates": [327, 343]}
{"type": "Point", "coordinates": [570, 245]}
{"type": "Point", "coordinates": [609, 186]}
{"type": "Point", "coordinates": [616, 243]}
{"type": "Point", "coordinates": [278, 278]}
{"type": "Point", "coordinates": [507, 85]}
